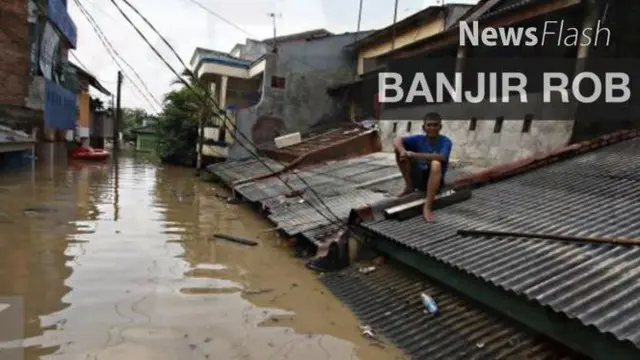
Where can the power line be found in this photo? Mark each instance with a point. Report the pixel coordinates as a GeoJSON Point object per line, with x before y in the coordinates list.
{"type": "Point", "coordinates": [256, 156]}
{"type": "Point", "coordinates": [220, 17]}
{"type": "Point", "coordinates": [150, 99]}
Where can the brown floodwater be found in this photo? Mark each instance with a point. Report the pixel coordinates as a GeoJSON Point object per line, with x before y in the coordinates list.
{"type": "Point", "coordinates": [116, 262]}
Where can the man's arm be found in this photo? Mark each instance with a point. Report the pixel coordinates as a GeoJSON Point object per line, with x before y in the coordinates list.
{"type": "Point", "coordinates": [443, 156]}
{"type": "Point", "coordinates": [398, 145]}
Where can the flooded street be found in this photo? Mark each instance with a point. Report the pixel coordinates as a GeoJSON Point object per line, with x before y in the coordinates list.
{"type": "Point", "coordinates": [117, 262]}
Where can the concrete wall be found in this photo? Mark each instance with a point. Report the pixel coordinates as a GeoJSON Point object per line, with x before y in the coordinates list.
{"type": "Point", "coordinates": [308, 67]}
{"type": "Point", "coordinates": [252, 50]}
{"type": "Point", "coordinates": [483, 146]}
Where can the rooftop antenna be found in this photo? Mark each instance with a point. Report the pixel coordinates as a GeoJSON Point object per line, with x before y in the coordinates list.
{"type": "Point", "coordinates": [273, 17]}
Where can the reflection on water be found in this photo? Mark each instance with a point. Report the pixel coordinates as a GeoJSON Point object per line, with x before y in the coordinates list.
{"type": "Point", "coordinates": [116, 262]}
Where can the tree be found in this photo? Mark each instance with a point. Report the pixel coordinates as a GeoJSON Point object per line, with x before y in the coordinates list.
{"type": "Point", "coordinates": [202, 105]}
{"type": "Point", "coordinates": [177, 128]}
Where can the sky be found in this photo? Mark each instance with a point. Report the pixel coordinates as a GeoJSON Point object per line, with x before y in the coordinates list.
{"type": "Point", "coordinates": [187, 26]}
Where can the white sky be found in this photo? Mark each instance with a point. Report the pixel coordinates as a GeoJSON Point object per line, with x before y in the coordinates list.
{"type": "Point", "coordinates": [187, 26]}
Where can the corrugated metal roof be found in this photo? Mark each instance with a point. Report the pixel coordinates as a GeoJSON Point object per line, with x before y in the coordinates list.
{"type": "Point", "coordinates": [9, 135]}
{"type": "Point", "coordinates": [505, 6]}
{"type": "Point", "coordinates": [388, 300]}
{"type": "Point", "coordinates": [595, 194]}
{"type": "Point", "coordinates": [311, 214]}
{"type": "Point", "coordinates": [233, 171]}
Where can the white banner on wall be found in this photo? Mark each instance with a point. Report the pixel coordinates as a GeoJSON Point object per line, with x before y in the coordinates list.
{"type": "Point", "coordinates": [48, 47]}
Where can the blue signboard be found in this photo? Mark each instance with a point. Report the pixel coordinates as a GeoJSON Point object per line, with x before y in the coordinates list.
{"type": "Point", "coordinates": [59, 107]}
{"type": "Point", "coordinates": [57, 13]}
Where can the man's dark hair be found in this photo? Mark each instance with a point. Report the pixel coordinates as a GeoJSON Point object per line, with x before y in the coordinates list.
{"type": "Point", "coordinates": [432, 116]}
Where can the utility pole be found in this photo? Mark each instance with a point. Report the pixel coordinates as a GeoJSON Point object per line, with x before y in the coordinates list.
{"type": "Point", "coordinates": [118, 116]}
{"type": "Point", "coordinates": [359, 20]}
{"type": "Point", "coordinates": [395, 18]}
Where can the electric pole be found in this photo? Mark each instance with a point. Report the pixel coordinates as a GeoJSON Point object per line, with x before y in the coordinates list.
{"type": "Point", "coordinates": [118, 115]}
{"type": "Point", "coordinates": [395, 18]}
{"type": "Point", "coordinates": [359, 20]}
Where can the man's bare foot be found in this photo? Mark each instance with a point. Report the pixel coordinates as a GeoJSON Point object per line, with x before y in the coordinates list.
{"type": "Point", "coordinates": [428, 216]}
{"type": "Point", "coordinates": [407, 190]}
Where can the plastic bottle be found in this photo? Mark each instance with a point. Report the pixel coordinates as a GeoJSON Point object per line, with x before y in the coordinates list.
{"type": "Point", "coordinates": [429, 303]}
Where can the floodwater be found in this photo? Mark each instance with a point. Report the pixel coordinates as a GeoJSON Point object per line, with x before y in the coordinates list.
{"type": "Point", "coordinates": [116, 262]}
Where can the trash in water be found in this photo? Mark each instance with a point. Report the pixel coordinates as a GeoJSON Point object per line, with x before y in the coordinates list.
{"type": "Point", "coordinates": [367, 331]}
{"type": "Point", "coordinates": [37, 210]}
{"type": "Point", "coordinates": [480, 345]}
{"type": "Point", "coordinates": [233, 201]}
{"type": "Point", "coordinates": [429, 303]}
{"type": "Point", "coordinates": [236, 239]}
{"type": "Point", "coordinates": [256, 291]}
{"type": "Point", "coordinates": [367, 270]}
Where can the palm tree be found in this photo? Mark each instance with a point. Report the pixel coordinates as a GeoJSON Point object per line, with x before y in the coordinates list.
{"type": "Point", "coordinates": [203, 107]}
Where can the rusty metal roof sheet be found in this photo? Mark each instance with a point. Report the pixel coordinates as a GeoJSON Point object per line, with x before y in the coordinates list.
{"type": "Point", "coordinates": [594, 194]}
{"type": "Point", "coordinates": [388, 300]}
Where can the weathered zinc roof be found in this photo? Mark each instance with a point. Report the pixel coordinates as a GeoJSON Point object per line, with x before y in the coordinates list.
{"type": "Point", "coordinates": [342, 186]}
{"type": "Point", "coordinates": [234, 171]}
{"type": "Point", "coordinates": [596, 194]}
{"type": "Point", "coordinates": [388, 300]}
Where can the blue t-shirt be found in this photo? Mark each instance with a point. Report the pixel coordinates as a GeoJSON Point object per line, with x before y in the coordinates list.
{"type": "Point", "coordinates": [419, 143]}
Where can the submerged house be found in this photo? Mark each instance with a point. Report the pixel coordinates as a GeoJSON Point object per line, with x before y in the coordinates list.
{"type": "Point", "coordinates": [268, 89]}
{"type": "Point", "coordinates": [493, 133]}
{"type": "Point", "coordinates": [146, 138]}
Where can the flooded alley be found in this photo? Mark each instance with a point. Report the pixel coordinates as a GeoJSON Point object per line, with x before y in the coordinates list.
{"type": "Point", "coordinates": [117, 261]}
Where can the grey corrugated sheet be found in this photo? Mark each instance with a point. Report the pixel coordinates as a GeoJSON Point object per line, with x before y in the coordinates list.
{"type": "Point", "coordinates": [505, 6]}
{"type": "Point", "coordinates": [230, 172]}
{"type": "Point", "coordinates": [388, 300]}
{"type": "Point", "coordinates": [596, 194]}
{"type": "Point", "coordinates": [272, 187]}
{"type": "Point", "coordinates": [309, 215]}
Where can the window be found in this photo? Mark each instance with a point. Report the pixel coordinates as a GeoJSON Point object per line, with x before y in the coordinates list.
{"type": "Point", "coordinates": [408, 126]}
{"type": "Point", "coordinates": [498, 126]}
{"type": "Point", "coordinates": [473, 124]}
{"type": "Point", "coordinates": [526, 126]}
{"type": "Point", "coordinates": [395, 127]}
{"type": "Point", "coordinates": [277, 82]}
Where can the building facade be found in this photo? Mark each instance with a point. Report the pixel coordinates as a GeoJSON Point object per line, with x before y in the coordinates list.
{"type": "Point", "coordinates": [273, 87]}
{"type": "Point", "coordinates": [39, 90]}
{"type": "Point", "coordinates": [495, 134]}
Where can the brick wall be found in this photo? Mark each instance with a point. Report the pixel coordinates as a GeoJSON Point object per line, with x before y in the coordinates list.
{"type": "Point", "coordinates": [14, 52]}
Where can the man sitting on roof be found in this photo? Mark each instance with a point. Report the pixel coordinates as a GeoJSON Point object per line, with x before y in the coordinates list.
{"type": "Point", "coordinates": [423, 160]}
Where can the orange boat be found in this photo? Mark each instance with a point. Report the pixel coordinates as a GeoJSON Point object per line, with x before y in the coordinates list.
{"type": "Point", "coordinates": [88, 153]}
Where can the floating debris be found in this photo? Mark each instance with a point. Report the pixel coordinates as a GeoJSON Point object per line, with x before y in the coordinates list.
{"type": "Point", "coordinates": [37, 210]}
{"type": "Point", "coordinates": [256, 291]}
{"type": "Point", "coordinates": [367, 270]}
{"type": "Point", "coordinates": [367, 332]}
{"type": "Point", "coordinates": [236, 239]}
{"type": "Point", "coordinates": [429, 303]}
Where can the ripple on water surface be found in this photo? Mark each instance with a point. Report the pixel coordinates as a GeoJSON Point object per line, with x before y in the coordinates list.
{"type": "Point", "coordinates": [116, 263]}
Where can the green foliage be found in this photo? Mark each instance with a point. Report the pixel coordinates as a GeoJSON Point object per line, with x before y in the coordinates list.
{"type": "Point", "coordinates": [183, 113]}
{"type": "Point", "coordinates": [177, 128]}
